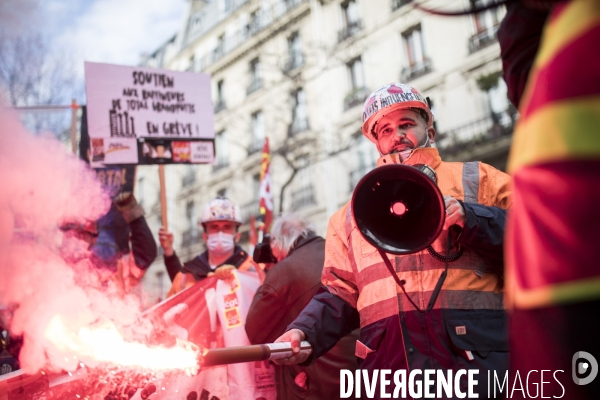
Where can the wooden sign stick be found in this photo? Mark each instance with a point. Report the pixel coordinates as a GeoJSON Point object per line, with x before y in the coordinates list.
{"type": "Point", "coordinates": [163, 197]}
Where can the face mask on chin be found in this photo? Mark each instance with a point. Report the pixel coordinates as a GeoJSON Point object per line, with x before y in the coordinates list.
{"type": "Point", "coordinates": [406, 153]}
{"type": "Point", "coordinates": [220, 243]}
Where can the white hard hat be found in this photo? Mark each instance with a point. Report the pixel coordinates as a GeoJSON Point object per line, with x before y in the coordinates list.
{"type": "Point", "coordinates": [389, 98]}
{"type": "Point", "coordinates": [221, 209]}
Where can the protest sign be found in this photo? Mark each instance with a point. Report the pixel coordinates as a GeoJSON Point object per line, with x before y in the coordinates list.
{"type": "Point", "coordinates": [139, 115]}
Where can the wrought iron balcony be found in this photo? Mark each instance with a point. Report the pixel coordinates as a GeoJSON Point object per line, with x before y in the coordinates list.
{"type": "Point", "coordinates": [303, 198]}
{"type": "Point", "coordinates": [351, 29]}
{"type": "Point", "coordinates": [258, 24]}
{"type": "Point", "coordinates": [416, 70]}
{"type": "Point", "coordinates": [356, 97]}
{"type": "Point", "coordinates": [472, 135]}
{"type": "Point", "coordinates": [483, 39]}
{"type": "Point", "coordinates": [396, 4]}
{"type": "Point", "coordinates": [256, 84]}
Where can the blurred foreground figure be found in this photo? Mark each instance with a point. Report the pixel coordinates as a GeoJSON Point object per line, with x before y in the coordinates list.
{"type": "Point", "coordinates": [553, 272]}
{"type": "Point", "coordinates": [289, 286]}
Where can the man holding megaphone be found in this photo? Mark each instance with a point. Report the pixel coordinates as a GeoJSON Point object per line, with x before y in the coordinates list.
{"type": "Point", "coordinates": [421, 301]}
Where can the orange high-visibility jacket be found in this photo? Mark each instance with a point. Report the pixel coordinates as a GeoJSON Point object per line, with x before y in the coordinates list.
{"type": "Point", "coordinates": [466, 327]}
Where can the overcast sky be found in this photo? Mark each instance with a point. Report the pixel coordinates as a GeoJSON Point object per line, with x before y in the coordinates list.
{"type": "Point", "coordinates": [112, 31]}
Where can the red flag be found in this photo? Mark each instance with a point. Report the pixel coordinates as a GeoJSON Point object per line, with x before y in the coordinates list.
{"type": "Point", "coordinates": [266, 196]}
{"type": "Point", "coordinates": [253, 238]}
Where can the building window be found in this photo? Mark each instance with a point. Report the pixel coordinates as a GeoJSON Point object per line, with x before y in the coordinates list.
{"type": "Point", "coordinates": [255, 76]}
{"type": "Point", "coordinates": [220, 49]}
{"type": "Point", "coordinates": [254, 22]}
{"type": "Point", "coordinates": [295, 58]}
{"type": "Point", "coordinates": [486, 25]}
{"type": "Point", "coordinates": [358, 91]}
{"type": "Point", "coordinates": [396, 4]}
{"type": "Point", "coordinates": [190, 235]}
{"type": "Point", "coordinates": [222, 157]}
{"type": "Point", "coordinates": [366, 160]}
{"type": "Point", "coordinates": [141, 188]}
{"type": "Point", "coordinates": [190, 176]}
{"type": "Point", "coordinates": [350, 19]}
{"type": "Point", "coordinates": [299, 112]}
{"type": "Point", "coordinates": [258, 131]}
{"type": "Point", "coordinates": [227, 5]}
{"type": "Point", "coordinates": [191, 64]}
{"type": "Point", "coordinates": [220, 101]}
{"type": "Point", "coordinates": [501, 110]}
{"type": "Point", "coordinates": [303, 194]}
{"type": "Point", "coordinates": [251, 208]}
{"type": "Point", "coordinates": [417, 63]}
{"type": "Point", "coordinates": [190, 214]}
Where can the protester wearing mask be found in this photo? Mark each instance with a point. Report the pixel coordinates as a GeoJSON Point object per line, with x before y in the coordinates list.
{"type": "Point", "coordinates": [220, 222]}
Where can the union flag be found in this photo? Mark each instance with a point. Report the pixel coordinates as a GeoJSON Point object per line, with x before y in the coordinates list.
{"type": "Point", "coordinates": [265, 192]}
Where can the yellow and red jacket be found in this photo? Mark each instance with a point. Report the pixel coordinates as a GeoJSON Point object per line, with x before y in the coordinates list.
{"type": "Point", "coordinates": [553, 232]}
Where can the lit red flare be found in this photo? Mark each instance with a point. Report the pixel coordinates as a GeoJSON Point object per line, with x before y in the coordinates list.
{"type": "Point", "coordinates": [104, 344]}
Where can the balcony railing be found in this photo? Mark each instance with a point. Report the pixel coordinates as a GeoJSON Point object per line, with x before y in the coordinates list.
{"type": "Point", "coordinates": [248, 210]}
{"type": "Point", "coordinates": [416, 70]}
{"type": "Point", "coordinates": [483, 131]}
{"type": "Point", "coordinates": [303, 198]}
{"type": "Point", "coordinates": [190, 237]}
{"type": "Point", "coordinates": [262, 20]}
{"type": "Point", "coordinates": [356, 97]}
{"type": "Point", "coordinates": [256, 84]}
{"type": "Point", "coordinates": [483, 39]}
{"type": "Point", "coordinates": [220, 106]}
{"type": "Point", "coordinates": [298, 125]}
{"type": "Point", "coordinates": [351, 29]}
{"type": "Point", "coordinates": [295, 60]}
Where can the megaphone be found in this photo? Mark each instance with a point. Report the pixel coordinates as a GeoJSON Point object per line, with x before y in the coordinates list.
{"type": "Point", "coordinates": [399, 208]}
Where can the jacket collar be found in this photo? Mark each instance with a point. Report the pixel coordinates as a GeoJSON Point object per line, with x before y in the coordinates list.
{"type": "Point", "coordinates": [199, 266]}
{"type": "Point", "coordinates": [425, 155]}
{"type": "Point", "coordinates": [301, 242]}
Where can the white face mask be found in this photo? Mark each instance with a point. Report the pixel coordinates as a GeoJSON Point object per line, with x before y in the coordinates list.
{"type": "Point", "coordinates": [220, 243]}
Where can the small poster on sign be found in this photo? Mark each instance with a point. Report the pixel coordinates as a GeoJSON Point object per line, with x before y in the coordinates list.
{"type": "Point", "coordinates": [139, 115]}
